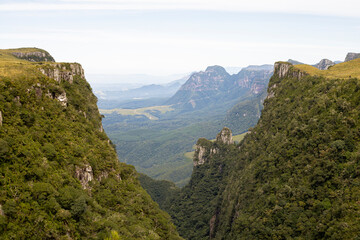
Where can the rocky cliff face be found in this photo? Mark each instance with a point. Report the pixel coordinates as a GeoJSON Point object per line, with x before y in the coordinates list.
{"type": "Point", "coordinates": [352, 56]}
{"type": "Point", "coordinates": [285, 69]}
{"type": "Point", "coordinates": [205, 149]}
{"type": "Point", "coordinates": [63, 71]}
{"type": "Point", "coordinates": [34, 56]}
{"type": "Point", "coordinates": [324, 64]}
{"type": "Point", "coordinates": [225, 136]}
{"type": "Point", "coordinates": [84, 175]}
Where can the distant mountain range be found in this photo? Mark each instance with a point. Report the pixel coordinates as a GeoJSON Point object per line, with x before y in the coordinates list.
{"type": "Point", "coordinates": [215, 86]}
{"type": "Point", "coordinates": [138, 97]}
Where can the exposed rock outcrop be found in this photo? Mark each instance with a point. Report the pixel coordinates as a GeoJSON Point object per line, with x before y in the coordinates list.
{"type": "Point", "coordinates": [271, 92]}
{"type": "Point", "coordinates": [63, 71]}
{"type": "Point", "coordinates": [284, 69]}
{"type": "Point", "coordinates": [324, 64]}
{"type": "Point", "coordinates": [200, 155]}
{"type": "Point", "coordinates": [61, 97]}
{"type": "Point", "coordinates": [225, 136]}
{"type": "Point", "coordinates": [34, 56]}
{"type": "Point", "coordinates": [84, 174]}
{"type": "Point", "coordinates": [203, 151]}
{"type": "Point", "coordinates": [352, 56]}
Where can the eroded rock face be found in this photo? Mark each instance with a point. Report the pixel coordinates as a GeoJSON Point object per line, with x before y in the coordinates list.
{"type": "Point", "coordinates": [63, 72]}
{"type": "Point", "coordinates": [285, 69]}
{"type": "Point", "coordinates": [85, 175]}
{"type": "Point", "coordinates": [352, 56]}
{"type": "Point", "coordinates": [205, 149]}
{"type": "Point", "coordinates": [324, 64]}
{"type": "Point", "coordinates": [61, 97]}
{"type": "Point", "coordinates": [281, 69]}
{"type": "Point", "coordinates": [34, 56]}
{"type": "Point", "coordinates": [271, 91]}
{"type": "Point", "coordinates": [225, 136]}
{"type": "Point", "coordinates": [199, 158]}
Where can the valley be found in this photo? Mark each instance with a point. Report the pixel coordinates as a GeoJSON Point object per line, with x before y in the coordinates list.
{"type": "Point", "coordinates": [155, 138]}
{"type": "Point", "coordinates": [294, 175]}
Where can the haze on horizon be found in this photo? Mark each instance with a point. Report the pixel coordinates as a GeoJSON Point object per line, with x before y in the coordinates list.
{"type": "Point", "coordinates": [159, 37]}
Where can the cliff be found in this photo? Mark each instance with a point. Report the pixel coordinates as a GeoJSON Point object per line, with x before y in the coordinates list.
{"type": "Point", "coordinates": [31, 54]}
{"type": "Point", "coordinates": [60, 176]}
{"type": "Point", "coordinates": [294, 176]}
{"type": "Point", "coordinates": [352, 56]}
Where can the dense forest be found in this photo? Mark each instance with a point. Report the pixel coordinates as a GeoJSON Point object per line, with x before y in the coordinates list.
{"type": "Point", "coordinates": [60, 177]}
{"type": "Point", "coordinates": [296, 173]}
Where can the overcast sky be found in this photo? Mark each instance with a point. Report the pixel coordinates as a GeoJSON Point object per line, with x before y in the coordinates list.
{"type": "Point", "coordinates": [162, 37]}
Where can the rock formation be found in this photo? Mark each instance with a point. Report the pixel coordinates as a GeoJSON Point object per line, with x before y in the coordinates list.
{"type": "Point", "coordinates": [63, 71]}
{"type": "Point", "coordinates": [85, 175]}
{"type": "Point", "coordinates": [294, 62]}
{"type": "Point", "coordinates": [34, 56]}
{"type": "Point", "coordinates": [1, 119]}
{"type": "Point", "coordinates": [324, 64]}
{"type": "Point", "coordinates": [205, 149]}
{"type": "Point", "coordinates": [225, 136]}
{"type": "Point", "coordinates": [199, 158]}
{"type": "Point", "coordinates": [352, 56]}
{"type": "Point", "coordinates": [284, 69]}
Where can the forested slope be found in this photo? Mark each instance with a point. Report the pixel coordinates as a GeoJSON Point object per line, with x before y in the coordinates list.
{"type": "Point", "coordinates": [296, 175]}
{"type": "Point", "coordinates": [59, 174]}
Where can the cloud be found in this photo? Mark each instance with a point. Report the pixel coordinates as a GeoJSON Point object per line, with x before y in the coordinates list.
{"type": "Point", "coordinates": [346, 8]}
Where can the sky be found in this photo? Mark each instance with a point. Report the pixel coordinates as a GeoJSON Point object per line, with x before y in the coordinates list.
{"type": "Point", "coordinates": [165, 37]}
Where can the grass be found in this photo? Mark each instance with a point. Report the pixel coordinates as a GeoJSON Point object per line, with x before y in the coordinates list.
{"type": "Point", "coordinates": [344, 70]}
{"type": "Point", "coordinates": [238, 138]}
{"type": "Point", "coordinates": [189, 155]}
{"type": "Point", "coordinates": [147, 111]}
{"type": "Point", "coordinates": [10, 66]}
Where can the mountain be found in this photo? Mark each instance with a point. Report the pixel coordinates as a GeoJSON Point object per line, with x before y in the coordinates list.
{"type": "Point", "coordinates": [294, 62]}
{"type": "Point", "coordinates": [295, 174]}
{"type": "Point", "coordinates": [352, 56]}
{"type": "Point", "coordinates": [60, 177]}
{"type": "Point", "coordinates": [324, 64]}
{"type": "Point", "coordinates": [214, 87]}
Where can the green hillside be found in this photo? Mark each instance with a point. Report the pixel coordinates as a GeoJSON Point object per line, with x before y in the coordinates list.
{"type": "Point", "coordinates": [59, 174]}
{"type": "Point", "coordinates": [294, 176]}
